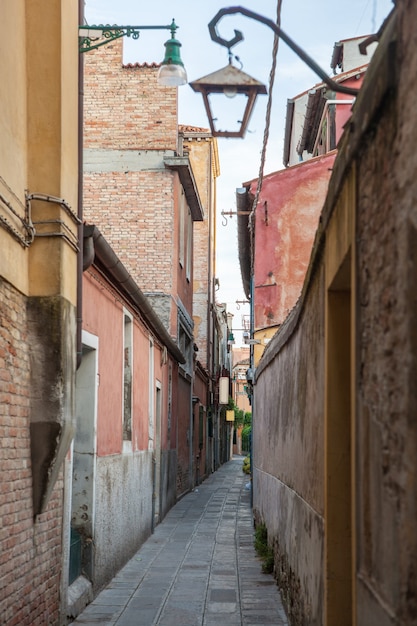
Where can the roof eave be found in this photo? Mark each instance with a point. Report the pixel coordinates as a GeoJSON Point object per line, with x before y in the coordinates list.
{"type": "Point", "coordinates": [183, 167]}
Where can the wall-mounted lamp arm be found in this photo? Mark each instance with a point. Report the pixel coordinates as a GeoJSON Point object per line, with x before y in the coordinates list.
{"type": "Point", "coordinates": [333, 85]}
{"type": "Point", "coordinates": [89, 35]}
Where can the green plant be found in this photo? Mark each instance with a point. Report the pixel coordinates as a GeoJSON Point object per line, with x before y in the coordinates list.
{"type": "Point", "coordinates": [246, 465]}
{"type": "Point", "coordinates": [247, 420]}
{"type": "Point", "coordinates": [239, 417]}
{"type": "Point", "coordinates": [268, 563]}
{"type": "Point", "coordinates": [246, 435]}
{"type": "Point", "coordinates": [263, 550]}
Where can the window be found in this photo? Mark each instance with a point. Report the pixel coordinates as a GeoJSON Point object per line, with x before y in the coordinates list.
{"type": "Point", "coordinates": [200, 427]}
{"type": "Point", "coordinates": [151, 427]}
{"type": "Point", "coordinates": [186, 345]}
{"type": "Point", "coordinates": [182, 209]}
{"type": "Point", "coordinates": [185, 235]}
{"type": "Point", "coordinates": [169, 401]}
{"type": "Point", "coordinates": [127, 376]}
{"type": "Point", "coordinates": [185, 338]}
{"type": "Point", "coordinates": [189, 250]}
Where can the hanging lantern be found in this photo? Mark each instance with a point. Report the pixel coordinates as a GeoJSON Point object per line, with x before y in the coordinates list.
{"type": "Point", "coordinates": [237, 87]}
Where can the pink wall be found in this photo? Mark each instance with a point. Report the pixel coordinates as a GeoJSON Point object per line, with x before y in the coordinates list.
{"type": "Point", "coordinates": [140, 418]}
{"type": "Point", "coordinates": [103, 316]}
{"type": "Point", "coordinates": [344, 112]}
{"type": "Point", "coordinates": [183, 424]}
{"type": "Point", "coordinates": [286, 221]}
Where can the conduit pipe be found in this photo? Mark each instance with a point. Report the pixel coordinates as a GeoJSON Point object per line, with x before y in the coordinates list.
{"type": "Point", "coordinates": [80, 254]}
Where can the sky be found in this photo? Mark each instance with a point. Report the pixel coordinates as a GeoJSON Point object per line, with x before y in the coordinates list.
{"type": "Point", "coordinates": [315, 25]}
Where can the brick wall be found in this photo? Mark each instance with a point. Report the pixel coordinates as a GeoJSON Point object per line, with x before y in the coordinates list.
{"type": "Point", "coordinates": [124, 106]}
{"type": "Point", "coordinates": [134, 213]}
{"type": "Point", "coordinates": [30, 553]}
{"type": "Point", "coordinates": [129, 122]}
{"type": "Point", "coordinates": [200, 151]}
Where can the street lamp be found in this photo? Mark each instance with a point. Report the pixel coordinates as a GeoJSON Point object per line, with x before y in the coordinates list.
{"type": "Point", "coordinates": [231, 82]}
{"type": "Point", "coordinates": [171, 73]}
{"type": "Point", "coordinates": [218, 83]}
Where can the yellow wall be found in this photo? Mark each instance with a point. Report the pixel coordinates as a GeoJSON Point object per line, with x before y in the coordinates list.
{"type": "Point", "coordinates": [263, 335]}
{"type": "Point", "coordinates": [339, 412]}
{"type": "Point", "coordinates": [13, 173]}
{"type": "Point", "coordinates": [38, 151]}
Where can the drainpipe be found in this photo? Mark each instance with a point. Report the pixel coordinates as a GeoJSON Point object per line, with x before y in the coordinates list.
{"type": "Point", "coordinates": [252, 367]}
{"type": "Point", "coordinates": [191, 430]}
{"type": "Point", "coordinates": [153, 493]}
{"type": "Point", "coordinates": [80, 194]}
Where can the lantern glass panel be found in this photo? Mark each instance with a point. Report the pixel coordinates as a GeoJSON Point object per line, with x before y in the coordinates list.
{"type": "Point", "coordinates": [228, 112]}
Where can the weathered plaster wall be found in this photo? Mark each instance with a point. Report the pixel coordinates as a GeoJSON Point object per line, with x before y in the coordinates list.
{"type": "Point", "coordinates": [38, 153]}
{"type": "Point", "coordinates": [286, 221]}
{"type": "Point", "coordinates": [104, 315]}
{"type": "Point", "coordinates": [140, 416]}
{"type": "Point", "coordinates": [168, 494]}
{"type": "Point", "coordinates": [121, 515]}
{"type": "Point", "coordinates": [200, 445]}
{"type": "Point", "coordinates": [288, 457]}
{"type": "Point", "coordinates": [387, 367]}
{"type": "Point", "coordinates": [378, 283]}
{"type": "Point", "coordinates": [124, 498]}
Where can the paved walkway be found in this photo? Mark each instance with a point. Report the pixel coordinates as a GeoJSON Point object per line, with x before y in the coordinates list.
{"type": "Point", "coordinates": [199, 568]}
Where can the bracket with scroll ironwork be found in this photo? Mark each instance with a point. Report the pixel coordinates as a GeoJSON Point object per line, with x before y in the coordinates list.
{"type": "Point", "coordinates": [92, 37]}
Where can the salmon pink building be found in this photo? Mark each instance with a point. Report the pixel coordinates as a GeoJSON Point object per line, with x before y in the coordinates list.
{"type": "Point", "coordinates": [276, 237]}
{"type": "Point", "coordinates": [125, 445]}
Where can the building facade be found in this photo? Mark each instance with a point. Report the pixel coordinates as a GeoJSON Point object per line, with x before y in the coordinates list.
{"type": "Point", "coordinates": [283, 226]}
{"type": "Point", "coordinates": [141, 192]}
{"type": "Point", "coordinates": [38, 299]}
{"type": "Point", "coordinates": [335, 482]}
{"type": "Point", "coordinates": [201, 148]}
{"type": "Point", "coordinates": [122, 467]}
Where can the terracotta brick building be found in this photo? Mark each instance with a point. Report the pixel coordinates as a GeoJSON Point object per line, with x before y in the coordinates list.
{"type": "Point", "coordinates": [151, 188]}
{"type": "Point", "coordinates": [142, 194]}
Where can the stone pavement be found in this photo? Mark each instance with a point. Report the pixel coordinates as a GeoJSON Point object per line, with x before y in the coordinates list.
{"type": "Point", "coordinates": [199, 568]}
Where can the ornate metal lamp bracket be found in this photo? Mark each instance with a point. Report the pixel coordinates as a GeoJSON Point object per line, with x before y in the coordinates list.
{"type": "Point", "coordinates": [89, 40]}
{"type": "Point", "coordinates": [216, 37]}
{"type": "Point", "coordinates": [109, 33]}
{"type": "Point", "coordinates": [333, 85]}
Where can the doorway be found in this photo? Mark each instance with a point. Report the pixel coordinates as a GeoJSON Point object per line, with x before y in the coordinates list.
{"type": "Point", "coordinates": [84, 462]}
{"type": "Point", "coordinates": [338, 452]}
{"type": "Point", "coordinates": [156, 496]}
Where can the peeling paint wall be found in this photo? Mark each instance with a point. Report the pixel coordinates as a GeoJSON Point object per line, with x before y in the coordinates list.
{"type": "Point", "coordinates": [123, 515]}
{"type": "Point", "coordinates": [286, 220]}
{"type": "Point", "coordinates": [288, 458]}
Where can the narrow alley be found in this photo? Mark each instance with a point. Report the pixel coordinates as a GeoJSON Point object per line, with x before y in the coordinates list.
{"type": "Point", "coordinates": [199, 568]}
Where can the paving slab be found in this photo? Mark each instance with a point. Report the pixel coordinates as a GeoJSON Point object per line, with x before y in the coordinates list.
{"type": "Point", "coordinates": [199, 568]}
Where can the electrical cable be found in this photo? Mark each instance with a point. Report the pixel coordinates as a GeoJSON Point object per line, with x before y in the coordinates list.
{"type": "Point", "coordinates": [266, 131]}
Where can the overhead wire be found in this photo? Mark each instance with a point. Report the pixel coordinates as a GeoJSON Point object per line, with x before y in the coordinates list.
{"type": "Point", "coordinates": [266, 130]}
